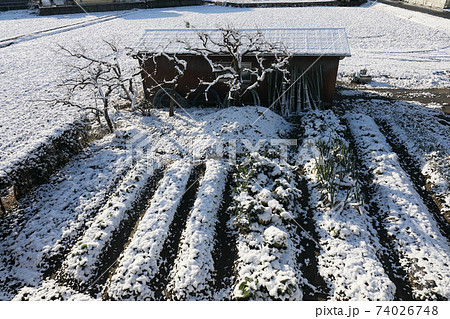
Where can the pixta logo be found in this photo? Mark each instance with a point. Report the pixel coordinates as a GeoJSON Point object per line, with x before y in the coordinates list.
{"type": "Point", "coordinates": [143, 147]}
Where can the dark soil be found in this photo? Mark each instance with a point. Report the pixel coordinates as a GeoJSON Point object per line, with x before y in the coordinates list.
{"type": "Point", "coordinates": [388, 254]}
{"type": "Point", "coordinates": [410, 166]}
{"type": "Point", "coordinates": [170, 247]}
{"type": "Point", "coordinates": [317, 289]}
{"type": "Point", "coordinates": [425, 96]}
{"type": "Point", "coordinates": [225, 252]}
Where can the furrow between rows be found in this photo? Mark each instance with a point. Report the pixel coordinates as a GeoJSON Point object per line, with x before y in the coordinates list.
{"type": "Point", "coordinates": [422, 249]}
{"type": "Point", "coordinates": [348, 261]}
{"type": "Point", "coordinates": [141, 261]}
{"type": "Point", "coordinates": [82, 265]}
{"type": "Point", "coordinates": [192, 276]}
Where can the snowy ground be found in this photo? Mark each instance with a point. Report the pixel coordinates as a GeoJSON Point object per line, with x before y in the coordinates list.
{"type": "Point", "coordinates": [398, 47]}
{"type": "Point", "coordinates": [148, 229]}
{"type": "Point", "coordinates": [24, 23]}
{"type": "Point", "coordinates": [62, 240]}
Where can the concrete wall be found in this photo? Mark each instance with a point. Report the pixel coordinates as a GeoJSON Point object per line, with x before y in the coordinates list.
{"type": "Point", "coordinates": [440, 4]}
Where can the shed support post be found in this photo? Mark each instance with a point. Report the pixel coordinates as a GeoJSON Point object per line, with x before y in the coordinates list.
{"type": "Point", "coordinates": [171, 106]}
{"type": "Point", "coordinates": [2, 207]}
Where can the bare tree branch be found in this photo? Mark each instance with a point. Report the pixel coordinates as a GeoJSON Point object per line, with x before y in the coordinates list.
{"type": "Point", "coordinates": [238, 45]}
{"type": "Point", "coordinates": [104, 78]}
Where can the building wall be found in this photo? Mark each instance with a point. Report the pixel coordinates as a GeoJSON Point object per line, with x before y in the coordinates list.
{"type": "Point", "coordinates": [198, 68]}
{"type": "Point", "coordinates": [440, 4]}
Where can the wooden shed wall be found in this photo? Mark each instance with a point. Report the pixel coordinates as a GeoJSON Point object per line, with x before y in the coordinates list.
{"type": "Point", "coordinates": [198, 68]}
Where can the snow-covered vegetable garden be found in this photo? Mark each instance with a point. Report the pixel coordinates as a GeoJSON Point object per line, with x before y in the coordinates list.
{"type": "Point", "coordinates": [237, 221]}
{"type": "Point", "coordinates": [237, 203]}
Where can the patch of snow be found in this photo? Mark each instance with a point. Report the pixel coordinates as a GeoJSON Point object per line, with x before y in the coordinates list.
{"type": "Point", "coordinates": [423, 250]}
{"type": "Point", "coordinates": [213, 133]}
{"type": "Point", "coordinates": [427, 20]}
{"type": "Point", "coordinates": [348, 261]}
{"type": "Point", "coordinates": [192, 274]}
{"type": "Point", "coordinates": [54, 215]}
{"type": "Point", "coordinates": [140, 261]}
{"type": "Point", "coordinates": [346, 92]}
{"type": "Point", "coordinates": [51, 290]}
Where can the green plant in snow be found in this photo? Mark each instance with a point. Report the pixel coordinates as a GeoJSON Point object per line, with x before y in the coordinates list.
{"type": "Point", "coordinates": [336, 171]}
{"type": "Point", "coordinates": [439, 162]}
{"type": "Point", "coordinates": [265, 201]}
{"type": "Point", "coordinates": [287, 289]}
{"type": "Point", "coordinates": [256, 288]}
{"type": "Point", "coordinates": [246, 290]}
{"type": "Point", "coordinates": [263, 190]}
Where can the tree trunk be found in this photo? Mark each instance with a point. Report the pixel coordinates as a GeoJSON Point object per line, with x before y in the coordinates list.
{"type": "Point", "coordinates": [107, 118]}
{"type": "Point", "coordinates": [237, 98]}
{"type": "Point", "coordinates": [15, 192]}
{"type": "Point", "coordinates": [97, 114]}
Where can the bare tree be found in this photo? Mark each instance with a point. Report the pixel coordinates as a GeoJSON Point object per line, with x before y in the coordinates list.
{"type": "Point", "coordinates": [180, 66]}
{"type": "Point", "coordinates": [103, 78]}
{"type": "Point", "coordinates": [239, 45]}
{"type": "Point", "coordinates": [227, 51]}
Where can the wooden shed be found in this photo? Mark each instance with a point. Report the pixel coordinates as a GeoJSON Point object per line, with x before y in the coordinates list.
{"type": "Point", "coordinates": [314, 56]}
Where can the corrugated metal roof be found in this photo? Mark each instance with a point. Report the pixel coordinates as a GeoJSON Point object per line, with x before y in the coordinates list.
{"type": "Point", "coordinates": [312, 42]}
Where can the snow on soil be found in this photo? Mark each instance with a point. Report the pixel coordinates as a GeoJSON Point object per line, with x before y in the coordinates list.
{"type": "Point", "coordinates": [83, 260]}
{"type": "Point", "coordinates": [24, 25]}
{"type": "Point", "coordinates": [424, 134]}
{"type": "Point", "coordinates": [396, 51]}
{"type": "Point", "coordinates": [90, 196]}
{"type": "Point", "coordinates": [193, 271]}
{"type": "Point", "coordinates": [51, 290]}
{"type": "Point", "coordinates": [266, 203]}
{"type": "Point", "coordinates": [141, 260]}
{"type": "Point", "coordinates": [417, 17]}
{"type": "Point", "coordinates": [52, 217]}
{"type": "Point", "coordinates": [204, 133]}
{"type": "Point", "coordinates": [348, 261]}
{"type": "Point", "coordinates": [422, 248]}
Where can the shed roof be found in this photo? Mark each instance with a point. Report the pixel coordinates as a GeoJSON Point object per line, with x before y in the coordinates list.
{"type": "Point", "coordinates": [299, 42]}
